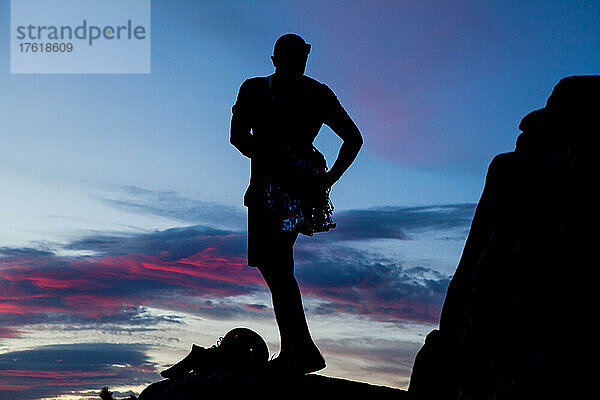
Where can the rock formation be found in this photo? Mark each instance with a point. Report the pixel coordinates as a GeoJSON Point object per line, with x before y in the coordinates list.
{"type": "Point", "coordinates": [265, 387]}
{"type": "Point", "coordinates": [516, 318]}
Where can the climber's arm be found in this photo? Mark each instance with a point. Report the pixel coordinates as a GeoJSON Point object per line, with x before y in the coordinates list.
{"type": "Point", "coordinates": [240, 133]}
{"type": "Point", "coordinates": [342, 125]}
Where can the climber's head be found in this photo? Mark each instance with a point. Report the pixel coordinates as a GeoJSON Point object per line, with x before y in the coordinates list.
{"type": "Point", "coordinates": [289, 55]}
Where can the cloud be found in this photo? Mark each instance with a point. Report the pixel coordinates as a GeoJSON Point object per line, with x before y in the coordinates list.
{"type": "Point", "coordinates": [368, 358]}
{"type": "Point", "coordinates": [176, 242]}
{"type": "Point", "coordinates": [24, 252]}
{"type": "Point", "coordinates": [202, 270]}
{"type": "Point", "coordinates": [6, 332]}
{"type": "Point", "coordinates": [356, 282]}
{"type": "Point", "coordinates": [363, 224]}
{"type": "Point", "coordinates": [398, 222]}
{"type": "Point", "coordinates": [171, 204]}
{"type": "Point", "coordinates": [127, 318]}
{"type": "Point", "coordinates": [177, 269]}
{"type": "Point", "coordinates": [46, 371]}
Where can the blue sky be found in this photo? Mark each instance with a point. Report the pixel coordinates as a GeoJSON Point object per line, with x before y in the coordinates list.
{"type": "Point", "coordinates": [129, 181]}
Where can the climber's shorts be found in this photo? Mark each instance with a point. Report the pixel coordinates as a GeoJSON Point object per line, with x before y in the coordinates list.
{"type": "Point", "coordinates": [267, 244]}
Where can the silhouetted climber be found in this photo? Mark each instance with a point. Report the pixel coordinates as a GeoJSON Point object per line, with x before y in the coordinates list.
{"type": "Point", "coordinates": [275, 120]}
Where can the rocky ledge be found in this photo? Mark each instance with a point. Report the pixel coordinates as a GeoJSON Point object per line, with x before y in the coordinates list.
{"type": "Point", "coordinates": [262, 386]}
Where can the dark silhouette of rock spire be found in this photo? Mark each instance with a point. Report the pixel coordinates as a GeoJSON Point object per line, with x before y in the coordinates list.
{"type": "Point", "coordinates": [514, 321]}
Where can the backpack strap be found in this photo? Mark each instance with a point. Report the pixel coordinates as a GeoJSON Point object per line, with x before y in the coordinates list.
{"type": "Point", "coordinates": [271, 87]}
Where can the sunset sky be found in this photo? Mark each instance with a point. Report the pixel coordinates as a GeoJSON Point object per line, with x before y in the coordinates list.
{"type": "Point", "coordinates": [122, 230]}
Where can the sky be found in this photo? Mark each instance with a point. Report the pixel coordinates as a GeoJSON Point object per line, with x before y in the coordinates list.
{"type": "Point", "coordinates": [122, 230]}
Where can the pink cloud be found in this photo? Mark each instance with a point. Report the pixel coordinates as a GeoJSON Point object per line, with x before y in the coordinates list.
{"type": "Point", "coordinates": [90, 285]}
{"type": "Point", "coordinates": [9, 332]}
{"type": "Point", "coordinates": [98, 289]}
